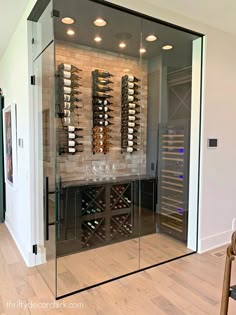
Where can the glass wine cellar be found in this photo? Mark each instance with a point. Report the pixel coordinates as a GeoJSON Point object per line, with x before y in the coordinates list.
{"type": "Point", "coordinates": [116, 127]}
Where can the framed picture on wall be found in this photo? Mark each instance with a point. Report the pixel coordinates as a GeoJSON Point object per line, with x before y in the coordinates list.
{"type": "Point", "coordinates": [10, 147]}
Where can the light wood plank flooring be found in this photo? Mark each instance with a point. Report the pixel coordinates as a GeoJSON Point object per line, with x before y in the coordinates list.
{"type": "Point", "coordinates": [97, 265]}
{"type": "Point", "coordinates": [191, 285]}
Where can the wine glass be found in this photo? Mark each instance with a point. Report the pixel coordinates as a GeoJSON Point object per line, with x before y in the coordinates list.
{"type": "Point", "coordinates": [113, 171]}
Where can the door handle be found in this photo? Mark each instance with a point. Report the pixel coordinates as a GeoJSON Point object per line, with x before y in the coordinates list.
{"type": "Point", "coordinates": [46, 208]}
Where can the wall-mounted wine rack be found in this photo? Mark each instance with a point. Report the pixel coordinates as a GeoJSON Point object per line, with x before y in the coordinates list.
{"type": "Point", "coordinates": [101, 111]}
{"type": "Point", "coordinates": [129, 114]}
{"type": "Point", "coordinates": [68, 109]}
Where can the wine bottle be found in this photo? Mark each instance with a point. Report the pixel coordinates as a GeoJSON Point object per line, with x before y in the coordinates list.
{"type": "Point", "coordinates": [102, 122]}
{"type": "Point", "coordinates": [102, 94]}
{"type": "Point", "coordinates": [101, 73]}
{"type": "Point", "coordinates": [70, 143]}
{"type": "Point", "coordinates": [101, 129]}
{"type": "Point", "coordinates": [72, 135]}
{"type": "Point", "coordinates": [100, 150]}
{"type": "Point", "coordinates": [130, 78]}
{"type": "Point", "coordinates": [91, 225]}
{"type": "Point", "coordinates": [103, 81]}
{"type": "Point", "coordinates": [132, 143]}
{"type": "Point", "coordinates": [132, 118]}
{"type": "Point", "coordinates": [66, 120]}
{"type": "Point", "coordinates": [101, 143]}
{"type": "Point", "coordinates": [71, 83]}
{"type": "Point", "coordinates": [68, 105]}
{"type": "Point", "coordinates": [70, 91]}
{"type": "Point", "coordinates": [131, 149]}
{"type": "Point", "coordinates": [101, 102]}
{"type": "Point", "coordinates": [66, 113]}
{"type": "Point", "coordinates": [129, 85]}
{"type": "Point", "coordinates": [69, 67]}
{"type": "Point", "coordinates": [130, 111]}
{"type": "Point", "coordinates": [70, 75]}
{"type": "Point", "coordinates": [132, 137]}
{"type": "Point", "coordinates": [70, 98]}
{"type": "Point", "coordinates": [133, 124]}
{"type": "Point", "coordinates": [72, 150]}
{"type": "Point", "coordinates": [102, 116]}
{"type": "Point", "coordinates": [101, 136]}
{"type": "Point", "coordinates": [126, 92]}
{"type": "Point", "coordinates": [73, 129]}
{"type": "Point", "coordinates": [101, 88]}
{"type": "Point", "coordinates": [130, 98]}
{"type": "Point", "coordinates": [132, 105]}
{"type": "Point", "coordinates": [102, 108]}
{"type": "Point", "coordinates": [127, 130]}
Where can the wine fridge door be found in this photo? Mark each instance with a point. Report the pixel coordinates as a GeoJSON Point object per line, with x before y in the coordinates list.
{"type": "Point", "coordinates": [44, 142]}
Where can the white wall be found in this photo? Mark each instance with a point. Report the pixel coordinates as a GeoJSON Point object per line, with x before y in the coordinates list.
{"type": "Point", "coordinates": [218, 171]}
{"type": "Point", "coordinates": [14, 77]}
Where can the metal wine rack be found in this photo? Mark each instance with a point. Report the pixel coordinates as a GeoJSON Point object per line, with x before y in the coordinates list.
{"type": "Point", "coordinates": [173, 178]}
{"type": "Point", "coordinates": [68, 108]}
{"type": "Point", "coordinates": [101, 111]}
{"type": "Point", "coordinates": [129, 112]}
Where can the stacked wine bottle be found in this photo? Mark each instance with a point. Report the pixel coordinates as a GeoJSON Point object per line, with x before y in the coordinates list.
{"type": "Point", "coordinates": [101, 111]}
{"type": "Point", "coordinates": [68, 108]}
{"type": "Point", "coordinates": [130, 109]}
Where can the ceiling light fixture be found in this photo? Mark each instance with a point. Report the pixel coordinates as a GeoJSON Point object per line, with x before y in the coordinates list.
{"type": "Point", "coordinates": [122, 45]}
{"type": "Point", "coordinates": [151, 38]}
{"type": "Point", "coordinates": [100, 22]}
{"type": "Point", "coordinates": [142, 50]}
{"type": "Point", "coordinates": [167, 47]}
{"type": "Point", "coordinates": [68, 20]}
{"type": "Point", "coordinates": [71, 32]}
{"type": "Point", "coordinates": [98, 39]}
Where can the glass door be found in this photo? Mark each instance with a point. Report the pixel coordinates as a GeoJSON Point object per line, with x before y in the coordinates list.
{"type": "Point", "coordinates": [44, 140]}
{"type": "Point", "coordinates": [97, 231]}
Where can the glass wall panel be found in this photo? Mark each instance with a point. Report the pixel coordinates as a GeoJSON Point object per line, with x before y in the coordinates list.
{"type": "Point", "coordinates": [98, 232]}
{"type": "Point", "coordinates": [113, 110]}
{"type": "Point", "coordinates": [42, 31]}
{"type": "Point", "coordinates": [164, 211]}
{"type": "Point", "coordinates": [43, 130]}
{"type": "Point", "coordinates": [44, 150]}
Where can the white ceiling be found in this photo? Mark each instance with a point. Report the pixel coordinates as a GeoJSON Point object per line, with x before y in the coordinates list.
{"type": "Point", "coordinates": [217, 13]}
{"type": "Point", "coordinates": [10, 14]}
{"type": "Point", "coordinates": [220, 14]}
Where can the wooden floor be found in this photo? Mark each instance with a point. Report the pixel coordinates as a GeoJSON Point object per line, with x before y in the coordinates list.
{"type": "Point", "coordinates": [191, 285]}
{"type": "Point", "coordinates": [111, 261]}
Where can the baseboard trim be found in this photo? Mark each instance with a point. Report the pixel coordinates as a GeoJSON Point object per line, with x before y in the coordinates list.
{"type": "Point", "coordinates": [29, 258]}
{"type": "Point", "coordinates": [214, 241]}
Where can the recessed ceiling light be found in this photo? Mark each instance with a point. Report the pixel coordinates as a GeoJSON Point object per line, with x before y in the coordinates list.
{"type": "Point", "coordinates": [142, 50]}
{"type": "Point", "coordinates": [167, 47]}
{"type": "Point", "coordinates": [100, 22]}
{"type": "Point", "coordinates": [122, 45]}
{"type": "Point", "coordinates": [71, 32]}
{"type": "Point", "coordinates": [97, 39]}
{"type": "Point", "coordinates": [151, 38]}
{"type": "Point", "coordinates": [68, 20]}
